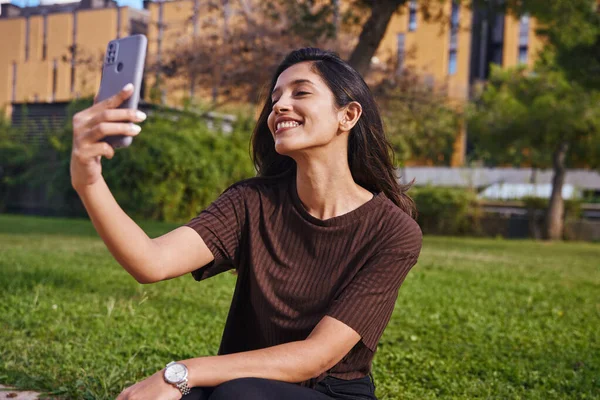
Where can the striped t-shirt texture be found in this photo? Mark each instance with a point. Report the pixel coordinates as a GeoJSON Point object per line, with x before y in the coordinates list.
{"type": "Point", "coordinates": [293, 268]}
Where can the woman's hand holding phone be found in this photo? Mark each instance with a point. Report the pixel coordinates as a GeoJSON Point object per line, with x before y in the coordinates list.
{"type": "Point", "coordinates": [93, 124]}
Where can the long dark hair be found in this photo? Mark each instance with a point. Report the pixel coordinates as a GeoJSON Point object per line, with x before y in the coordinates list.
{"type": "Point", "coordinates": [370, 155]}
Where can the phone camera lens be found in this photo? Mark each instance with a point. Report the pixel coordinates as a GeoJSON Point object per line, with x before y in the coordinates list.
{"type": "Point", "coordinates": [119, 67]}
{"type": "Point", "coordinates": [111, 46]}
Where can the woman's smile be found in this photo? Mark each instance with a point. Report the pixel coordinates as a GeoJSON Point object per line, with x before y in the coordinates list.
{"type": "Point", "coordinates": [286, 126]}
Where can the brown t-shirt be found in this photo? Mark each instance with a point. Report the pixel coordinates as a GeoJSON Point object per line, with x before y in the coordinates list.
{"type": "Point", "coordinates": [293, 268]}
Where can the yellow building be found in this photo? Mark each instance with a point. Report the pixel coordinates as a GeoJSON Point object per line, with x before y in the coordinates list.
{"type": "Point", "coordinates": [454, 50]}
{"type": "Point", "coordinates": [53, 53]}
{"type": "Point", "coordinates": [37, 43]}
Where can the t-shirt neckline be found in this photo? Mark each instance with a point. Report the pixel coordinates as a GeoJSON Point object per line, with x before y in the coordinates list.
{"type": "Point", "coordinates": [340, 220]}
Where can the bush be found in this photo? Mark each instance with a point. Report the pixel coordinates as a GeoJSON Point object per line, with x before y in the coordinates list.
{"type": "Point", "coordinates": [172, 170]}
{"type": "Point", "coordinates": [16, 158]}
{"type": "Point", "coordinates": [447, 211]}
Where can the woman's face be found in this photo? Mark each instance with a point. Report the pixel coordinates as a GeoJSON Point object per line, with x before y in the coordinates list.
{"type": "Point", "coordinates": [304, 114]}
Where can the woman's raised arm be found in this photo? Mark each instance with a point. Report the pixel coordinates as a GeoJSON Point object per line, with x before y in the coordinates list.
{"type": "Point", "coordinates": [147, 260]}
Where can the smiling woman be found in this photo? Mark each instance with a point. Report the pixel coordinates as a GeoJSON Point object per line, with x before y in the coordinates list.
{"type": "Point", "coordinates": [321, 240]}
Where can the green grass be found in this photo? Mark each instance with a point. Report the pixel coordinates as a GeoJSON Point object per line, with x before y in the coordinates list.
{"type": "Point", "coordinates": [476, 318]}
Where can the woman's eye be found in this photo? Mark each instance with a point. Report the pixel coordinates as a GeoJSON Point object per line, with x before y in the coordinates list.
{"type": "Point", "coordinates": [297, 94]}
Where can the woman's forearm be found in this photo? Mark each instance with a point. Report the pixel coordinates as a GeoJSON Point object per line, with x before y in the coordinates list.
{"type": "Point", "coordinates": [288, 362]}
{"type": "Point", "coordinates": [126, 241]}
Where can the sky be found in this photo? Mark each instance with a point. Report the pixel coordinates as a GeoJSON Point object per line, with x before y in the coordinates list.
{"type": "Point", "coordinates": [130, 3]}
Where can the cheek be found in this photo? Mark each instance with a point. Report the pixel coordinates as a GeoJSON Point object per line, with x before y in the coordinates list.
{"type": "Point", "coordinates": [270, 121]}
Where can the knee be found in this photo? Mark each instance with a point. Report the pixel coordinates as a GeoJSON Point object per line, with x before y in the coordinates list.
{"type": "Point", "coordinates": [241, 388]}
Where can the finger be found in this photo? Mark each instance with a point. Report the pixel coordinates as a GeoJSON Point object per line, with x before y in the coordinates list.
{"type": "Point", "coordinates": [110, 129]}
{"type": "Point", "coordinates": [113, 101]}
{"type": "Point", "coordinates": [101, 149]}
{"type": "Point", "coordinates": [116, 115]}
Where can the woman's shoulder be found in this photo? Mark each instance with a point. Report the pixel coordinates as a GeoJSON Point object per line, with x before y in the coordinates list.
{"type": "Point", "coordinates": [401, 231]}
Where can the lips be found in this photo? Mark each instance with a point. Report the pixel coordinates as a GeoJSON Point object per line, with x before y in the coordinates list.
{"type": "Point", "coordinates": [286, 127]}
{"type": "Point", "coordinates": [285, 123]}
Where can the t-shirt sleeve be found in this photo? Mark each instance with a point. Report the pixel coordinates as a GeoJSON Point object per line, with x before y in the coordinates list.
{"type": "Point", "coordinates": [221, 225]}
{"type": "Point", "coordinates": [367, 302]}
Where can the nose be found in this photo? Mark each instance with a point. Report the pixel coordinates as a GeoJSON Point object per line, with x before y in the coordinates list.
{"type": "Point", "coordinates": [281, 106]}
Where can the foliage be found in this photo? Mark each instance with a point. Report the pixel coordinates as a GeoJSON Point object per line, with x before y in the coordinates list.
{"type": "Point", "coordinates": [446, 211]}
{"type": "Point", "coordinates": [420, 122]}
{"type": "Point", "coordinates": [521, 118]}
{"type": "Point", "coordinates": [14, 158]}
{"type": "Point", "coordinates": [572, 206]}
{"type": "Point", "coordinates": [172, 170]}
{"type": "Point", "coordinates": [174, 173]}
{"type": "Point", "coordinates": [572, 30]}
{"type": "Point", "coordinates": [541, 119]}
{"type": "Point", "coordinates": [237, 64]}
{"type": "Point", "coordinates": [475, 318]}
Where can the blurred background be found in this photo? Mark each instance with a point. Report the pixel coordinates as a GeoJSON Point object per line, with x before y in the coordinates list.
{"type": "Point", "coordinates": [492, 108]}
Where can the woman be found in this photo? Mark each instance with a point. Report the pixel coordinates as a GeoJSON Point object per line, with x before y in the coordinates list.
{"type": "Point", "coordinates": [321, 241]}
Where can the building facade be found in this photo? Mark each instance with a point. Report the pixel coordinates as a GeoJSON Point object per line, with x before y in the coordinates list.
{"type": "Point", "coordinates": [52, 52]}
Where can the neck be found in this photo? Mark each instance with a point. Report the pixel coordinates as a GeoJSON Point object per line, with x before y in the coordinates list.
{"type": "Point", "coordinates": [326, 187]}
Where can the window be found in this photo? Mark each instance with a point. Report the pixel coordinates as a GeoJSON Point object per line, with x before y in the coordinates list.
{"type": "Point", "coordinates": [401, 39]}
{"type": "Point", "coordinates": [45, 38]}
{"type": "Point", "coordinates": [454, 19]}
{"type": "Point", "coordinates": [523, 39]}
{"type": "Point", "coordinates": [522, 55]}
{"type": "Point", "coordinates": [13, 97]}
{"type": "Point", "coordinates": [524, 31]}
{"type": "Point", "coordinates": [412, 15]}
{"type": "Point", "coordinates": [452, 62]}
{"type": "Point", "coordinates": [74, 52]}
{"type": "Point", "coordinates": [54, 78]}
{"type": "Point", "coordinates": [454, 24]}
{"type": "Point", "coordinates": [27, 38]}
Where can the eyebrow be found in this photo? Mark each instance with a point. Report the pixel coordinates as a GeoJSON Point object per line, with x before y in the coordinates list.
{"type": "Point", "coordinates": [296, 82]}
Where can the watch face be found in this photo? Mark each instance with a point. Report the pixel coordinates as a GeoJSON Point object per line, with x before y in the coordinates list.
{"type": "Point", "coordinates": [176, 373]}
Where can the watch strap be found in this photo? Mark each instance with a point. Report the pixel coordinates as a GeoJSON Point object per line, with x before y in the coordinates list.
{"type": "Point", "coordinates": [183, 387]}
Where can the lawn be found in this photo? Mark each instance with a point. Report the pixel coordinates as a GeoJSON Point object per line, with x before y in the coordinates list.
{"type": "Point", "coordinates": [476, 318]}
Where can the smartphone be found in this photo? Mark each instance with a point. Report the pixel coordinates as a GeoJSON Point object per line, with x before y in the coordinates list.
{"type": "Point", "coordinates": [123, 64]}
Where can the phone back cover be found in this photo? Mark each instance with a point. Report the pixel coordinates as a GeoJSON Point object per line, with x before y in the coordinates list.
{"type": "Point", "coordinates": [131, 53]}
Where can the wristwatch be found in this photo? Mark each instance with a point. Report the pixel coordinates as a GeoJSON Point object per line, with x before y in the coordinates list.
{"type": "Point", "coordinates": [176, 374]}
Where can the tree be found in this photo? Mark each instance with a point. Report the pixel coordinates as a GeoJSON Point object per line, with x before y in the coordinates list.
{"type": "Point", "coordinates": [572, 28]}
{"type": "Point", "coordinates": [541, 118]}
{"type": "Point", "coordinates": [420, 122]}
{"type": "Point", "coordinates": [240, 58]}
{"type": "Point", "coordinates": [372, 33]}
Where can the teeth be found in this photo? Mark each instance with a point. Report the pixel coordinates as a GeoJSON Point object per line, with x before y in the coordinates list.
{"type": "Point", "coordinates": [287, 124]}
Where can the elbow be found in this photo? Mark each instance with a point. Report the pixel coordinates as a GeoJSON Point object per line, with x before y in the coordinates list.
{"type": "Point", "coordinates": [145, 277]}
{"type": "Point", "coordinates": [320, 368]}
{"type": "Point", "coordinates": [319, 363]}
{"type": "Point", "coordinates": [144, 280]}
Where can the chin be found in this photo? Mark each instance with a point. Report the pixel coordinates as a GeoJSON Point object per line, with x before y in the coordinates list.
{"type": "Point", "coordinates": [284, 149]}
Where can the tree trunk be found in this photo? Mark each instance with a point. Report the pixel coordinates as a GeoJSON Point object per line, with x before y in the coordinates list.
{"type": "Point", "coordinates": [535, 222]}
{"type": "Point", "coordinates": [372, 33]}
{"type": "Point", "coordinates": [556, 206]}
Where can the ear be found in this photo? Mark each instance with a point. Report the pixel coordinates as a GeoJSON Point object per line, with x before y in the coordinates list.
{"type": "Point", "coordinates": [350, 116]}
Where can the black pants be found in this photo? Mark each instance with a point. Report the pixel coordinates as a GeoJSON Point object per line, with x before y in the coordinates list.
{"type": "Point", "coordinates": [266, 389]}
